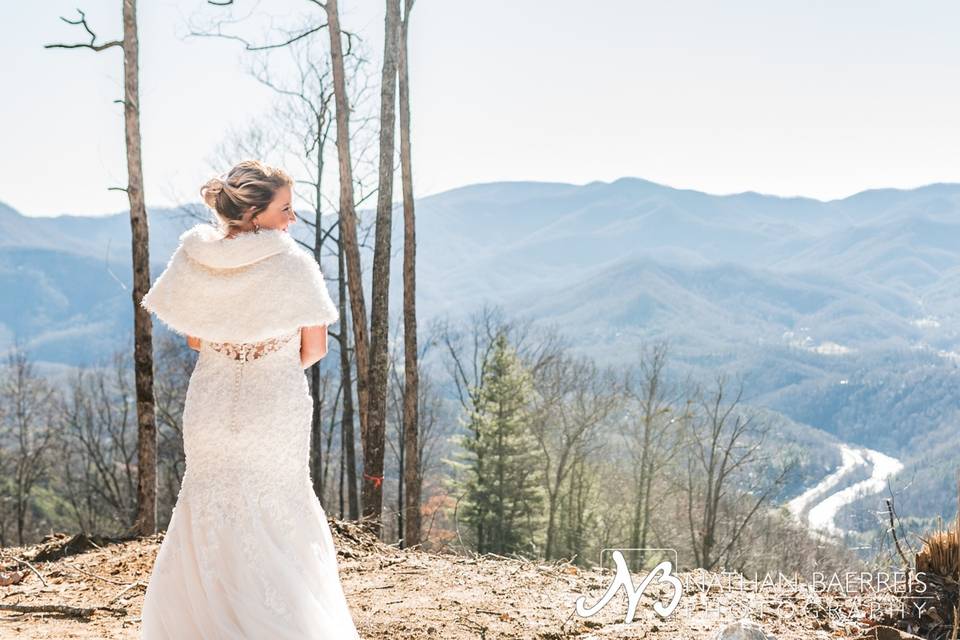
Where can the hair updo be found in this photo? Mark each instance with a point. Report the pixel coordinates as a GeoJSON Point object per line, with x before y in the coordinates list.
{"type": "Point", "coordinates": [250, 186]}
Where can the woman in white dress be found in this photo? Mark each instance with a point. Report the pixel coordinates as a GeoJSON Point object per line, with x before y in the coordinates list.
{"type": "Point", "coordinates": [248, 553]}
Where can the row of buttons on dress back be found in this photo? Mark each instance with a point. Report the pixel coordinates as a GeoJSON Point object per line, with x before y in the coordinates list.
{"type": "Point", "coordinates": [241, 352]}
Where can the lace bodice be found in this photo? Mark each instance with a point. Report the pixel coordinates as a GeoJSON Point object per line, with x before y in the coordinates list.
{"type": "Point", "coordinates": [244, 351]}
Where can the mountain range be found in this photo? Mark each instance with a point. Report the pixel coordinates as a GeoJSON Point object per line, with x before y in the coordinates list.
{"type": "Point", "coordinates": [840, 315]}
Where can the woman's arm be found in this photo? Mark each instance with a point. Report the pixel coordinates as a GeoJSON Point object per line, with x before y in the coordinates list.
{"type": "Point", "coordinates": [313, 344]}
{"type": "Point", "coordinates": [193, 343]}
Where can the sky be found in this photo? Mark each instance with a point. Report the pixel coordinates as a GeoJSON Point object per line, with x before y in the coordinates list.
{"type": "Point", "coordinates": [820, 98]}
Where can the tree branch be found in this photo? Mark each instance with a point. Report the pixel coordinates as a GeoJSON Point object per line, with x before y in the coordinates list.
{"type": "Point", "coordinates": [251, 47]}
{"type": "Point", "coordinates": [82, 21]}
{"type": "Point", "coordinates": [276, 45]}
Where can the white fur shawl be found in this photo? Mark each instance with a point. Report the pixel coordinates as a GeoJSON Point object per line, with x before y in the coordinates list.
{"type": "Point", "coordinates": [243, 289]}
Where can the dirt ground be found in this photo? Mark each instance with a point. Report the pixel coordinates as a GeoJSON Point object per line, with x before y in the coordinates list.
{"type": "Point", "coordinates": [399, 594]}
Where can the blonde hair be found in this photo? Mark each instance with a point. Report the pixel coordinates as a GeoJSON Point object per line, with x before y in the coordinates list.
{"type": "Point", "coordinates": [249, 186]}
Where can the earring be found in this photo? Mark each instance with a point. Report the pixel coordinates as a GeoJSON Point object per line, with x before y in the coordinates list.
{"type": "Point", "coordinates": [256, 227]}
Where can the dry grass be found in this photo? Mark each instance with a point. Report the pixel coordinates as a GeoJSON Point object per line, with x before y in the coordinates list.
{"type": "Point", "coordinates": [96, 591]}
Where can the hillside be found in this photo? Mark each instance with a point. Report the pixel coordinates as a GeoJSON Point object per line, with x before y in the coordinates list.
{"type": "Point", "coordinates": [840, 315]}
{"type": "Point", "coordinates": [402, 594]}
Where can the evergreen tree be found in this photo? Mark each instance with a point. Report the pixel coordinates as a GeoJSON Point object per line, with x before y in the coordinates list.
{"type": "Point", "coordinates": [502, 498]}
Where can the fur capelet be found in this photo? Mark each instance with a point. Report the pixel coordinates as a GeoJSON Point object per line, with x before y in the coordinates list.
{"type": "Point", "coordinates": [243, 289]}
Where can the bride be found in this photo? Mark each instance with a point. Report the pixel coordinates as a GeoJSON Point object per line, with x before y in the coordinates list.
{"type": "Point", "coordinates": [248, 553]}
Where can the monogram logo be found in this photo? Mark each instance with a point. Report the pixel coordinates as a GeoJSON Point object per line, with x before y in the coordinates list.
{"type": "Point", "coordinates": [622, 579]}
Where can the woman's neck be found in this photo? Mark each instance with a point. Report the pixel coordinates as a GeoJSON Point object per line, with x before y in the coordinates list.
{"type": "Point", "coordinates": [233, 233]}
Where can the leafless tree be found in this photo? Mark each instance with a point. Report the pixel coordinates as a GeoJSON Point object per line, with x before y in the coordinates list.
{"type": "Point", "coordinates": [146, 518]}
{"type": "Point", "coordinates": [348, 458]}
{"type": "Point", "coordinates": [255, 139]}
{"type": "Point", "coordinates": [724, 487]}
{"type": "Point", "coordinates": [578, 525]}
{"type": "Point", "coordinates": [373, 440]}
{"type": "Point", "coordinates": [411, 426]}
{"type": "Point", "coordinates": [348, 218]}
{"type": "Point", "coordinates": [470, 345]}
{"type": "Point", "coordinates": [26, 434]}
{"type": "Point", "coordinates": [655, 420]}
{"type": "Point", "coordinates": [574, 399]}
{"type": "Point", "coordinates": [429, 412]}
{"type": "Point", "coordinates": [98, 446]}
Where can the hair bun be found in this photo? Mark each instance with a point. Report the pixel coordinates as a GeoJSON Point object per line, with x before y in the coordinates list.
{"type": "Point", "coordinates": [210, 192]}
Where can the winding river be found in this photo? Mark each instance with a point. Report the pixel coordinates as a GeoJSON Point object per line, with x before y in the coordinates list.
{"type": "Point", "coordinates": [820, 504]}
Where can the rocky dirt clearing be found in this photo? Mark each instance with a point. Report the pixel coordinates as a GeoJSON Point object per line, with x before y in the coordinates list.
{"type": "Point", "coordinates": [399, 594]}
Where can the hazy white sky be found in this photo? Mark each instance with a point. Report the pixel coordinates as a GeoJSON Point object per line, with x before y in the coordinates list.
{"type": "Point", "coordinates": [817, 98]}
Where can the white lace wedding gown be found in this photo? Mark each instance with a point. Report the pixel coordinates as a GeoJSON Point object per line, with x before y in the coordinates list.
{"type": "Point", "coordinates": [248, 552]}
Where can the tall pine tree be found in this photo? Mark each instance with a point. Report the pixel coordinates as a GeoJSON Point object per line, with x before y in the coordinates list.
{"type": "Point", "coordinates": [502, 496]}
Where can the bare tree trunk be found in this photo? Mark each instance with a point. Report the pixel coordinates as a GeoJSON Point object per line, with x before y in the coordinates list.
{"type": "Point", "coordinates": [146, 521]}
{"type": "Point", "coordinates": [316, 434]}
{"type": "Point", "coordinates": [401, 494]}
{"type": "Point", "coordinates": [317, 470]}
{"type": "Point", "coordinates": [346, 377]}
{"type": "Point", "coordinates": [411, 467]}
{"type": "Point", "coordinates": [379, 316]}
{"type": "Point", "coordinates": [348, 230]}
{"type": "Point", "coordinates": [340, 475]}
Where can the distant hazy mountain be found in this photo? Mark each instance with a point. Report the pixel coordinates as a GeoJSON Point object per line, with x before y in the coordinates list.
{"type": "Point", "coordinates": [842, 315]}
